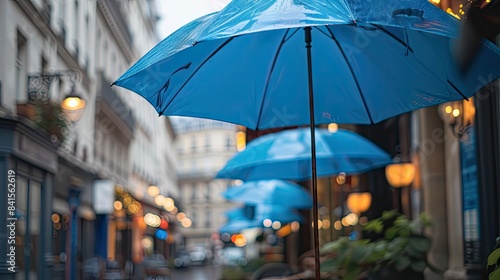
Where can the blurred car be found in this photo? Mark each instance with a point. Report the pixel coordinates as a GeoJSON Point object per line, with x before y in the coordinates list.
{"type": "Point", "coordinates": [233, 256]}
{"type": "Point", "coordinates": [182, 259]}
{"type": "Point", "coordinates": [199, 255]}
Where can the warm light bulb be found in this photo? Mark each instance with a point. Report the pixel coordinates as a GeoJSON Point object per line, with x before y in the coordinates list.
{"type": "Point", "coordinates": [456, 113]}
{"type": "Point", "coordinates": [448, 109]}
{"type": "Point", "coordinates": [118, 205]}
{"type": "Point", "coordinates": [73, 103]}
{"type": "Point", "coordinates": [333, 127]}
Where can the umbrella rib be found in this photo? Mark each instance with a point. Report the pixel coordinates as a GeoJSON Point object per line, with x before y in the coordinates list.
{"type": "Point", "coordinates": [283, 40]}
{"type": "Point", "coordinates": [457, 90]}
{"type": "Point", "coordinates": [196, 71]}
{"type": "Point", "coordinates": [394, 37]}
{"type": "Point", "coordinates": [353, 76]}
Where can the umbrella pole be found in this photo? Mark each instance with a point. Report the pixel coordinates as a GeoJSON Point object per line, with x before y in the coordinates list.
{"type": "Point", "coordinates": [314, 183]}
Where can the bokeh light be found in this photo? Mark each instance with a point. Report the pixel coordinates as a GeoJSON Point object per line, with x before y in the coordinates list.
{"type": "Point", "coordinates": [186, 222]}
{"type": "Point", "coordinates": [56, 218]}
{"type": "Point", "coordinates": [153, 191]}
{"type": "Point", "coordinates": [118, 205]}
{"type": "Point", "coordinates": [267, 223]}
{"type": "Point", "coordinates": [276, 225]}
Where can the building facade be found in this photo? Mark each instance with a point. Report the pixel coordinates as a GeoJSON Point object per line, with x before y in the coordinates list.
{"type": "Point", "coordinates": [203, 147]}
{"type": "Point", "coordinates": [85, 182]}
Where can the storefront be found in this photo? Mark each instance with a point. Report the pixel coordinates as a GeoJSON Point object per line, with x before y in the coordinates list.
{"type": "Point", "coordinates": [29, 155]}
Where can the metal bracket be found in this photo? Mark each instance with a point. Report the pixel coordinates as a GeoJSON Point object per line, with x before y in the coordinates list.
{"type": "Point", "coordinates": [39, 84]}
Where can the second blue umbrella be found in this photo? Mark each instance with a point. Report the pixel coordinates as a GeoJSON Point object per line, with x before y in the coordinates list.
{"type": "Point", "coordinates": [287, 155]}
{"type": "Point", "coordinates": [275, 192]}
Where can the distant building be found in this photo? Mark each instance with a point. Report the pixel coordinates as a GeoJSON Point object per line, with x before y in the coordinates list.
{"type": "Point", "coordinates": [203, 147]}
{"type": "Point", "coordinates": [81, 191]}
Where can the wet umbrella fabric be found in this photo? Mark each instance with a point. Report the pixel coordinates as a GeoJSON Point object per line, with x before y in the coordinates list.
{"type": "Point", "coordinates": [275, 192]}
{"type": "Point", "coordinates": [251, 57]}
{"type": "Point", "coordinates": [357, 62]}
{"type": "Point", "coordinates": [286, 155]}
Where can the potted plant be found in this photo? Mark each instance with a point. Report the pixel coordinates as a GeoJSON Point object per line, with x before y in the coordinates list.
{"type": "Point", "coordinates": [47, 115]}
{"type": "Point", "coordinates": [393, 247]}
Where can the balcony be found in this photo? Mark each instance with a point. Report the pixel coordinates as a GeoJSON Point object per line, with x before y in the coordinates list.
{"type": "Point", "coordinates": [195, 175]}
{"type": "Point", "coordinates": [114, 108]}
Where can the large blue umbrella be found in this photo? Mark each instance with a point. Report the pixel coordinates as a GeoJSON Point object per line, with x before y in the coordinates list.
{"type": "Point", "coordinates": [286, 155]}
{"type": "Point", "coordinates": [254, 63]}
{"type": "Point", "coordinates": [276, 192]}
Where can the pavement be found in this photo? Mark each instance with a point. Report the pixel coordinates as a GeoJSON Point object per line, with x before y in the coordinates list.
{"type": "Point", "coordinates": [207, 272]}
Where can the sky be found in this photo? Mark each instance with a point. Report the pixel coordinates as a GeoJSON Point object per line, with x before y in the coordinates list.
{"type": "Point", "coordinates": [176, 13]}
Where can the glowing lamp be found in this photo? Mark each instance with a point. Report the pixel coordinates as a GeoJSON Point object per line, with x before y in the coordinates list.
{"type": "Point", "coordinates": [359, 201]}
{"type": "Point", "coordinates": [400, 174]}
{"type": "Point", "coordinates": [73, 106]}
{"type": "Point", "coordinates": [459, 115]}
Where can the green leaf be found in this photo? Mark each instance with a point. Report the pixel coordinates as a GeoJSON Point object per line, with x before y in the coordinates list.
{"type": "Point", "coordinates": [375, 225]}
{"type": "Point", "coordinates": [388, 214]}
{"type": "Point", "coordinates": [391, 233]}
{"type": "Point", "coordinates": [402, 221]}
{"type": "Point", "coordinates": [418, 266]}
{"type": "Point", "coordinates": [419, 244]}
{"type": "Point", "coordinates": [334, 246]}
{"type": "Point", "coordinates": [402, 263]}
{"type": "Point", "coordinates": [330, 265]}
{"type": "Point", "coordinates": [352, 273]}
{"type": "Point", "coordinates": [359, 253]}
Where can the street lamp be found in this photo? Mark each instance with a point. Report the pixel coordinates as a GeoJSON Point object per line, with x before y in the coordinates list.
{"type": "Point", "coordinates": [400, 174]}
{"type": "Point", "coordinates": [73, 106]}
{"type": "Point", "coordinates": [459, 115]}
{"type": "Point", "coordinates": [38, 91]}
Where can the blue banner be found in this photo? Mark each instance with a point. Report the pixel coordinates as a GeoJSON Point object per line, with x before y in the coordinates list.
{"type": "Point", "coordinates": [470, 199]}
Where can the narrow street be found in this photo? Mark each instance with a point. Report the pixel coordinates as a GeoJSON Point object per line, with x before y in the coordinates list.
{"type": "Point", "coordinates": [208, 272]}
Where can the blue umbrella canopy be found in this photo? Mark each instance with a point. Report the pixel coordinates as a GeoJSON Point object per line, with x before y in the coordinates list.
{"type": "Point", "coordinates": [274, 192]}
{"type": "Point", "coordinates": [286, 155]}
{"type": "Point", "coordinates": [236, 226]}
{"type": "Point", "coordinates": [278, 63]}
{"type": "Point", "coordinates": [370, 61]}
{"type": "Point", "coordinates": [276, 213]}
{"type": "Point", "coordinates": [238, 219]}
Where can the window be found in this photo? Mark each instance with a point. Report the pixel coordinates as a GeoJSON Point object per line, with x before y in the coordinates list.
{"type": "Point", "coordinates": [194, 216]}
{"type": "Point", "coordinates": [207, 142]}
{"type": "Point", "coordinates": [208, 218]}
{"type": "Point", "coordinates": [207, 192]}
{"type": "Point", "coordinates": [193, 144]}
{"type": "Point", "coordinates": [193, 192]}
{"type": "Point", "coordinates": [228, 142]}
{"type": "Point", "coordinates": [21, 57]}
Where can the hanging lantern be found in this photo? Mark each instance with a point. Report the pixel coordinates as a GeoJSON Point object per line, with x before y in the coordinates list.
{"type": "Point", "coordinates": [359, 201]}
{"type": "Point", "coordinates": [73, 106]}
{"type": "Point", "coordinates": [400, 174]}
